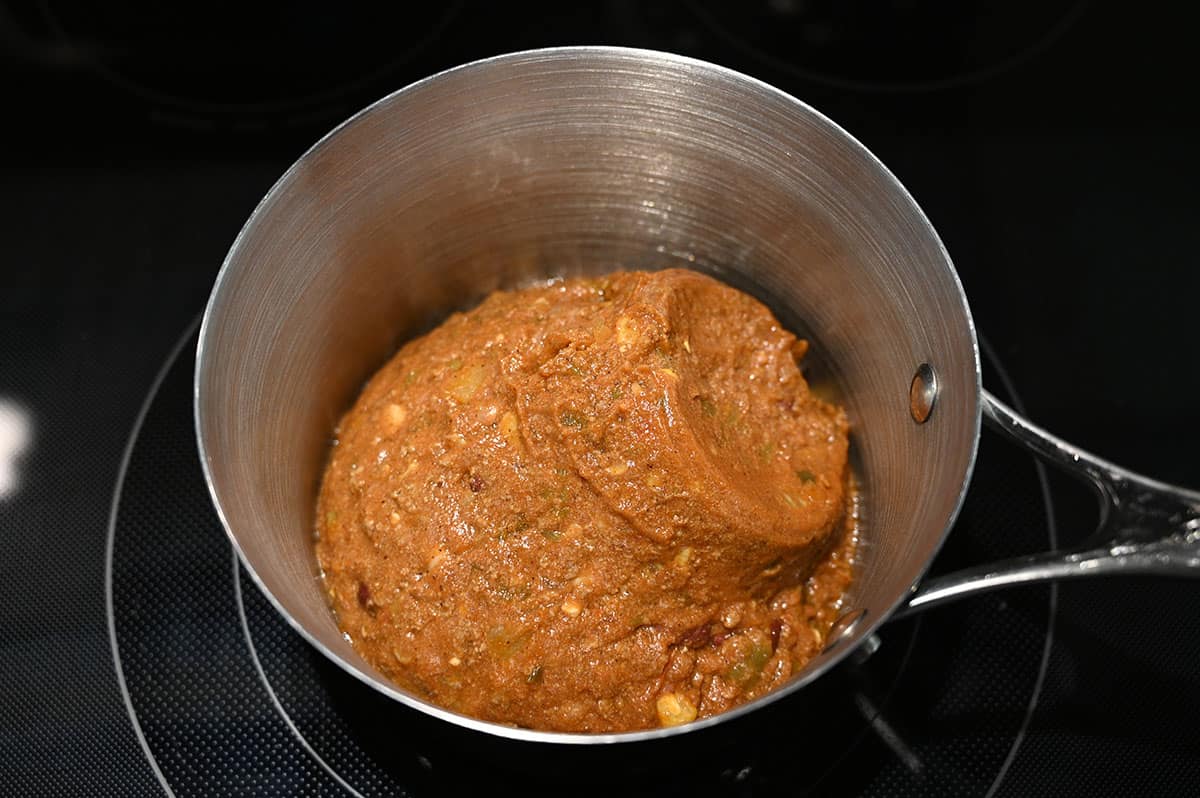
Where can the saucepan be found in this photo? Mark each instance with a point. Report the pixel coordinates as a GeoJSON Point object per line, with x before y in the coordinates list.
{"type": "Point", "coordinates": [588, 159]}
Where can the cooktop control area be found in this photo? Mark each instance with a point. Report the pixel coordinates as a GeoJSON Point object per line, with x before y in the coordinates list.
{"type": "Point", "coordinates": [1051, 144]}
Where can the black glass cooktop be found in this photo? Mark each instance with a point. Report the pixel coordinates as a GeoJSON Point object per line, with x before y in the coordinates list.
{"type": "Point", "coordinates": [1052, 145]}
{"type": "Point", "coordinates": [224, 694]}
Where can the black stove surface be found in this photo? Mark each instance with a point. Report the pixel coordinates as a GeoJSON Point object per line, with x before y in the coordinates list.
{"type": "Point", "coordinates": [1052, 144]}
{"type": "Point", "coordinates": [225, 694]}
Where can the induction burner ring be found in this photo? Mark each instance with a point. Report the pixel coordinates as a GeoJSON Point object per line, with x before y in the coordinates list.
{"type": "Point", "coordinates": [283, 713]}
{"type": "Point", "coordinates": [122, 470]}
{"type": "Point", "coordinates": [222, 692]}
{"type": "Point", "coordinates": [1014, 399]}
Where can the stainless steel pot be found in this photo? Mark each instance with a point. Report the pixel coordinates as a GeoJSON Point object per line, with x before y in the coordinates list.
{"type": "Point", "coordinates": [578, 160]}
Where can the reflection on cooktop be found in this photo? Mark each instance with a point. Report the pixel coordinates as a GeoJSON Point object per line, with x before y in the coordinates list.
{"type": "Point", "coordinates": [16, 437]}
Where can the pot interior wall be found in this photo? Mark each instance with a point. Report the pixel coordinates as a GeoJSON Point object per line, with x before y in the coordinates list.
{"type": "Point", "coordinates": [565, 162]}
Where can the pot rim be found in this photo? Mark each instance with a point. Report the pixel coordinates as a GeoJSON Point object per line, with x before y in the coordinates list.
{"type": "Point", "coordinates": [582, 738]}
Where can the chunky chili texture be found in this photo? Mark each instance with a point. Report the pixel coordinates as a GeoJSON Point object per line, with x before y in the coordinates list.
{"type": "Point", "coordinates": [591, 505]}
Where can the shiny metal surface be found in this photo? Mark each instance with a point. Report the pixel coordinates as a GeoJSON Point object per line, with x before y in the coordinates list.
{"type": "Point", "coordinates": [568, 161]}
{"type": "Point", "coordinates": [922, 394]}
{"type": "Point", "coordinates": [1145, 526]}
{"type": "Point", "coordinates": [843, 629]}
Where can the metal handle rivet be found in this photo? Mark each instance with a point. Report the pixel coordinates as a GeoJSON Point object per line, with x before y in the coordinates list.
{"type": "Point", "coordinates": [922, 393]}
{"type": "Point", "coordinates": [843, 628]}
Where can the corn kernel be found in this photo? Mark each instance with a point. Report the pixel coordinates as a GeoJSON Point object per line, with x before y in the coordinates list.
{"type": "Point", "coordinates": [675, 709]}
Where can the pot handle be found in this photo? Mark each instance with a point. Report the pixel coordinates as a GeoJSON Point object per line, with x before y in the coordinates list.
{"type": "Point", "coordinates": [1145, 526]}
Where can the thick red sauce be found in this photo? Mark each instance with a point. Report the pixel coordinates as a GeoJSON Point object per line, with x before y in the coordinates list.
{"type": "Point", "coordinates": [591, 505]}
